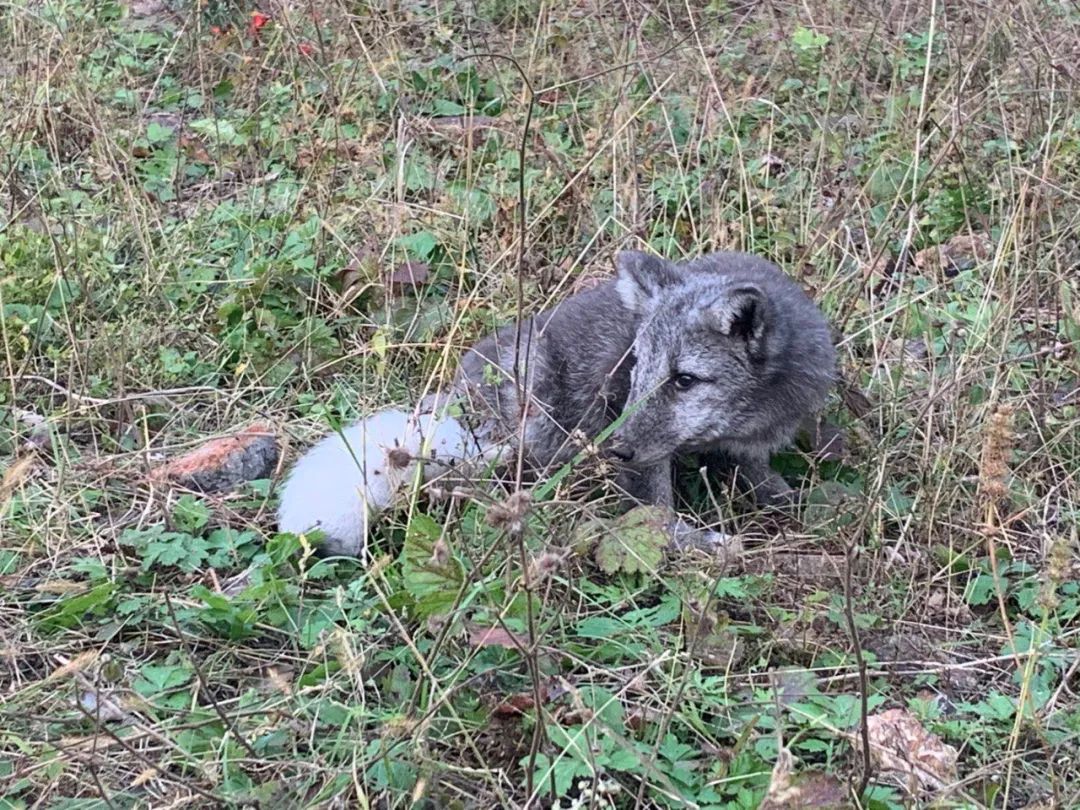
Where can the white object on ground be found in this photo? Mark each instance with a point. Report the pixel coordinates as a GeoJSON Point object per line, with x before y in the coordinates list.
{"type": "Point", "coordinates": [346, 479]}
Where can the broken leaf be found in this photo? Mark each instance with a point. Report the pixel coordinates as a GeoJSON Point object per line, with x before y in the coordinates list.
{"type": "Point", "coordinates": [634, 542]}
{"type": "Point", "coordinates": [496, 637]}
{"type": "Point", "coordinates": [899, 743]}
{"type": "Point", "coordinates": [709, 635]}
{"type": "Point", "coordinates": [408, 275]}
{"type": "Point", "coordinates": [793, 685]}
{"type": "Point", "coordinates": [961, 252]}
{"type": "Point", "coordinates": [523, 701]}
{"type": "Point", "coordinates": [16, 475]}
{"type": "Point", "coordinates": [801, 791]}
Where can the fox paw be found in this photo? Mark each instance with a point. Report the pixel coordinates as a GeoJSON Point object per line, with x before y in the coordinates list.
{"type": "Point", "coordinates": [718, 544]}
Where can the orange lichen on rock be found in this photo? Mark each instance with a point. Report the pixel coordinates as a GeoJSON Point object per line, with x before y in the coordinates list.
{"type": "Point", "coordinates": [224, 463]}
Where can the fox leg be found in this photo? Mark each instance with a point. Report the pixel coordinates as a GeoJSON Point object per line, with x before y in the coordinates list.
{"type": "Point", "coordinates": [648, 485]}
{"type": "Point", "coordinates": [755, 477]}
{"type": "Point", "coordinates": [767, 486]}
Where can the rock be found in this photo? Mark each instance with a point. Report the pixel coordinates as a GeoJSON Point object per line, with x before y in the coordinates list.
{"type": "Point", "coordinates": [226, 463]}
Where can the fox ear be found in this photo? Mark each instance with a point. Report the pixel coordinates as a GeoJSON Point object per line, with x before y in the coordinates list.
{"type": "Point", "coordinates": [641, 277]}
{"type": "Point", "coordinates": [742, 313]}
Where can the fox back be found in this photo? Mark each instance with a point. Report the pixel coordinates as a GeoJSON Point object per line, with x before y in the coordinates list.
{"type": "Point", "coordinates": [562, 372]}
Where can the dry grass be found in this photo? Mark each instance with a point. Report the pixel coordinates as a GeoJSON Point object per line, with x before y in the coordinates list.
{"type": "Point", "coordinates": [205, 225]}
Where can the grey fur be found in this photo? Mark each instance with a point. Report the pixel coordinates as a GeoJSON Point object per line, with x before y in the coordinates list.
{"type": "Point", "coordinates": [758, 349]}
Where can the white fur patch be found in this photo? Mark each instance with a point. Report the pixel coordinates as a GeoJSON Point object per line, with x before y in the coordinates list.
{"type": "Point", "coordinates": [733, 308]}
{"type": "Point", "coordinates": [344, 480]}
{"type": "Point", "coordinates": [630, 292]}
{"type": "Point", "coordinates": [726, 316]}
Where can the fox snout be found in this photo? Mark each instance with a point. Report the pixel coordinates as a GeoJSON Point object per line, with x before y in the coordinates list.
{"type": "Point", "coordinates": [633, 455]}
{"type": "Point", "coordinates": [630, 448]}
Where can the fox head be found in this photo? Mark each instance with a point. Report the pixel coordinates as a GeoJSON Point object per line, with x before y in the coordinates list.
{"type": "Point", "coordinates": [730, 354]}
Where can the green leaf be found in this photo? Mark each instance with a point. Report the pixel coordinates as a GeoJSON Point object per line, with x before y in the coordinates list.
{"type": "Point", "coordinates": [231, 618]}
{"type": "Point", "coordinates": [317, 622]}
{"type": "Point", "coordinates": [476, 204]}
{"type": "Point", "coordinates": [995, 706]}
{"type": "Point", "coordinates": [92, 567]}
{"type": "Point", "coordinates": [807, 40]}
{"type": "Point", "coordinates": [732, 588]}
{"type": "Point", "coordinates": [432, 575]}
{"type": "Point", "coordinates": [981, 590]}
{"type": "Point", "coordinates": [158, 133]}
{"type": "Point", "coordinates": [228, 547]}
{"type": "Point", "coordinates": [155, 679]}
{"type": "Point", "coordinates": [171, 551]}
{"type": "Point", "coordinates": [622, 759]}
{"type": "Point", "coordinates": [71, 610]}
{"type": "Point", "coordinates": [606, 705]}
{"type": "Point", "coordinates": [634, 542]}
{"type": "Point", "coordinates": [827, 506]}
{"type": "Point", "coordinates": [674, 750]}
{"type": "Point", "coordinates": [601, 627]}
{"type": "Point", "coordinates": [218, 129]}
{"type": "Point", "coordinates": [159, 547]}
{"type": "Point", "coordinates": [442, 106]}
{"type": "Point", "coordinates": [419, 173]}
{"type": "Point", "coordinates": [10, 560]}
{"type": "Point", "coordinates": [668, 610]}
{"type": "Point", "coordinates": [564, 770]}
{"type": "Point", "coordinates": [420, 244]}
{"type": "Point", "coordinates": [190, 513]}
{"type": "Point", "coordinates": [390, 766]}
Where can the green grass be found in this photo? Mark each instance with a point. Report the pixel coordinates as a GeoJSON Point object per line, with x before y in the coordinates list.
{"type": "Point", "coordinates": [201, 222]}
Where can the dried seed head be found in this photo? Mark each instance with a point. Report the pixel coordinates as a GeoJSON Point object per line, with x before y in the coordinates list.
{"type": "Point", "coordinates": [579, 438]}
{"type": "Point", "coordinates": [1047, 599]}
{"type": "Point", "coordinates": [350, 659]}
{"type": "Point", "coordinates": [998, 444]}
{"type": "Point", "coordinates": [399, 727]}
{"type": "Point", "coordinates": [435, 624]}
{"type": "Point", "coordinates": [546, 565]}
{"type": "Point", "coordinates": [510, 514]}
{"type": "Point", "coordinates": [638, 685]}
{"type": "Point", "coordinates": [398, 458]}
{"type": "Point", "coordinates": [1060, 560]}
{"type": "Point", "coordinates": [1058, 564]}
{"type": "Point", "coordinates": [440, 553]}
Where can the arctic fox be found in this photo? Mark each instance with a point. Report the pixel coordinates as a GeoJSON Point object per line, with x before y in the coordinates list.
{"type": "Point", "coordinates": [722, 355]}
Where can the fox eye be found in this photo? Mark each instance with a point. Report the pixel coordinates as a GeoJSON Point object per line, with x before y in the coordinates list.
{"type": "Point", "coordinates": [684, 381]}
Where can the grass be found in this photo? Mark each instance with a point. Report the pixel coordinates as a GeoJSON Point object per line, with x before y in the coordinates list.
{"type": "Point", "coordinates": [212, 218]}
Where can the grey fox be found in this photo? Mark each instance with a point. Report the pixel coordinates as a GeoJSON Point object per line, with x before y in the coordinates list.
{"type": "Point", "coordinates": [722, 355]}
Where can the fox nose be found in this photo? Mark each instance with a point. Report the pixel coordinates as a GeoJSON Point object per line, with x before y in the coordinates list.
{"type": "Point", "coordinates": [622, 451]}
